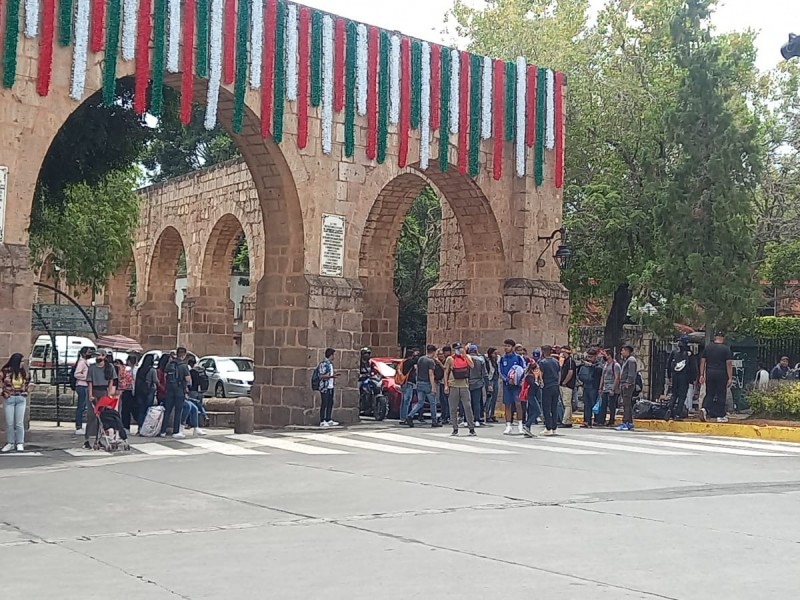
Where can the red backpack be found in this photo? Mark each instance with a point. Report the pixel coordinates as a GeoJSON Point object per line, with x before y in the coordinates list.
{"type": "Point", "coordinates": [460, 368]}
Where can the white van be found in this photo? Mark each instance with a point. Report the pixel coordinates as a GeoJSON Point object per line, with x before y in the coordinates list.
{"type": "Point", "coordinates": [42, 358]}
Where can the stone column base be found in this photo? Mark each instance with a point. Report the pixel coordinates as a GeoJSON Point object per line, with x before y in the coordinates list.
{"type": "Point", "coordinates": [207, 326]}
{"type": "Point", "coordinates": [16, 299]}
{"type": "Point", "coordinates": [536, 312]}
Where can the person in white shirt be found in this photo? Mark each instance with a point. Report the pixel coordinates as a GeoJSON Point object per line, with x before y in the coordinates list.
{"type": "Point", "coordinates": [327, 378]}
{"type": "Point", "coordinates": [81, 375]}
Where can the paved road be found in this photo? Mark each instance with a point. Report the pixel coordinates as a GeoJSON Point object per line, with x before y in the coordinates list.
{"type": "Point", "coordinates": [395, 513]}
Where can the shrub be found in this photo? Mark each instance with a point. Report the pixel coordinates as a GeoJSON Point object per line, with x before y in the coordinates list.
{"type": "Point", "coordinates": [780, 402]}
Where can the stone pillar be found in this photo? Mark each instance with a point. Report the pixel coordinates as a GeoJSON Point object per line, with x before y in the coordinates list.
{"type": "Point", "coordinates": [158, 324]}
{"type": "Point", "coordinates": [381, 311]}
{"type": "Point", "coordinates": [536, 312]}
{"type": "Point", "coordinates": [207, 325]}
{"type": "Point", "coordinates": [120, 311]}
{"type": "Point", "coordinates": [16, 298]}
{"type": "Point", "coordinates": [248, 325]}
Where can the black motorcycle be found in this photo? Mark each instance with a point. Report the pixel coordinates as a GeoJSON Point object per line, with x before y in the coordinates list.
{"type": "Point", "coordinates": [373, 402]}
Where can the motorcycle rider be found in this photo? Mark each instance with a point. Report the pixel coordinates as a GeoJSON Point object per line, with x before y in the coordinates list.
{"type": "Point", "coordinates": [364, 365]}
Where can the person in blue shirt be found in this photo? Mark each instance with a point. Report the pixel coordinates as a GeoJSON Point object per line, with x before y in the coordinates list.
{"type": "Point", "coordinates": [512, 369]}
{"type": "Point", "coordinates": [551, 395]}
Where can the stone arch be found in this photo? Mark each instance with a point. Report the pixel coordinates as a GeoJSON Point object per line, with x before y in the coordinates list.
{"type": "Point", "coordinates": [121, 306]}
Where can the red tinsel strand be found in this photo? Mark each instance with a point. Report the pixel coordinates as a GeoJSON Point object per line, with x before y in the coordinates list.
{"type": "Point", "coordinates": [558, 89]}
{"type": "Point", "coordinates": [405, 101]}
{"type": "Point", "coordinates": [463, 113]}
{"type": "Point", "coordinates": [530, 107]}
{"type": "Point", "coordinates": [338, 66]}
{"type": "Point", "coordinates": [187, 64]}
{"type": "Point", "coordinates": [46, 48]}
{"type": "Point", "coordinates": [229, 42]}
{"type": "Point", "coordinates": [436, 75]}
{"type": "Point", "coordinates": [143, 29]}
{"type": "Point", "coordinates": [302, 78]}
{"type": "Point", "coordinates": [268, 67]}
{"type": "Point", "coordinates": [498, 114]}
{"type": "Point", "coordinates": [372, 93]}
{"type": "Point", "coordinates": [96, 37]}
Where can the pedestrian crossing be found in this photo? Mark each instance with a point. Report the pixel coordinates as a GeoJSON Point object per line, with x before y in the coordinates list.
{"type": "Point", "coordinates": [436, 442]}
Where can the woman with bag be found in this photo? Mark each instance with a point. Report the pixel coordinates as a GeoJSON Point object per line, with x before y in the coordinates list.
{"type": "Point", "coordinates": [16, 385]}
{"type": "Point", "coordinates": [144, 388]}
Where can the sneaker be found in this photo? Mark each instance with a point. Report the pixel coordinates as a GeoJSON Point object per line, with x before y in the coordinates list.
{"type": "Point", "coordinates": [178, 436]}
{"type": "Point", "coordinates": [630, 426]}
{"type": "Point", "coordinates": [463, 424]}
{"type": "Point", "coordinates": [527, 432]}
{"type": "Point", "coordinates": [722, 419]}
{"type": "Point", "coordinates": [566, 425]}
{"type": "Point", "coordinates": [20, 447]}
{"type": "Point", "coordinates": [199, 432]}
{"type": "Point", "coordinates": [81, 431]}
{"type": "Point", "coordinates": [435, 425]}
{"type": "Point", "coordinates": [324, 424]}
{"type": "Point", "coordinates": [410, 422]}
{"type": "Point", "coordinates": [472, 433]}
{"type": "Point", "coordinates": [455, 432]}
{"type": "Point", "coordinates": [622, 427]}
{"type": "Point", "coordinates": [585, 426]}
{"type": "Point", "coordinates": [7, 448]}
{"type": "Point", "coordinates": [478, 424]}
{"type": "Point", "coordinates": [333, 424]}
{"type": "Point", "coordinates": [508, 429]}
{"type": "Point", "coordinates": [521, 428]}
{"type": "Point", "coordinates": [703, 415]}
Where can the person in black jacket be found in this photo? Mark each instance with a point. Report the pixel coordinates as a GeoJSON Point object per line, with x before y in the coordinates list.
{"type": "Point", "coordinates": [682, 372]}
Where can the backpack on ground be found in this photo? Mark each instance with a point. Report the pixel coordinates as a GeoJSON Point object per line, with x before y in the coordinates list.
{"type": "Point", "coordinates": [152, 422]}
{"type": "Point", "coordinates": [202, 380]}
{"type": "Point", "coordinates": [460, 368]}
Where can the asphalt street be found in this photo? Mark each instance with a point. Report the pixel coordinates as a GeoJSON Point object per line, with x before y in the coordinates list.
{"type": "Point", "coordinates": [391, 513]}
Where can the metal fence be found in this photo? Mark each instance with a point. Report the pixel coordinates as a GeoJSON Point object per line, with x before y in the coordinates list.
{"type": "Point", "coordinates": [770, 351]}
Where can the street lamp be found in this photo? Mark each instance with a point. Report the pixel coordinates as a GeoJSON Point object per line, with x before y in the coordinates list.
{"type": "Point", "coordinates": [791, 49]}
{"type": "Point", "coordinates": [563, 253]}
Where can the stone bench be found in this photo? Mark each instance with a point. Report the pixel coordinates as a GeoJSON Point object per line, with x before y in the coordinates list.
{"type": "Point", "coordinates": [240, 409]}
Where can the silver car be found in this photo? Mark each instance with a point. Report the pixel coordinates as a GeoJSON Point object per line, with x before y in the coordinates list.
{"type": "Point", "coordinates": [228, 376]}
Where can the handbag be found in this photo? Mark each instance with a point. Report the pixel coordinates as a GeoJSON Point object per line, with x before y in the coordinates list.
{"type": "Point", "coordinates": [152, 422]}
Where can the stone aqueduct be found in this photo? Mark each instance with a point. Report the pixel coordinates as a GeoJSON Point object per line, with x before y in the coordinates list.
{"type": "Point", "coordinates": [490, 286]}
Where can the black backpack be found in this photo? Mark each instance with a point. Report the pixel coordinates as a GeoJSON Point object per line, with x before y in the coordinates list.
{"type": "Point", "coordinates": [202, 380]}
{"type": "Point", "coordinates": [171, 373]}
{"type": "Point", "coordinates": [73, 383]}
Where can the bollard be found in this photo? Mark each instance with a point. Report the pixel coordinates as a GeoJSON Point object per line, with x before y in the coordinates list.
{"type": "Point", "coordinates": [244, 417]}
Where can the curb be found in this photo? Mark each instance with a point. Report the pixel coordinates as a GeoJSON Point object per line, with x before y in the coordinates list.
{"type": "Point", "coordinates": [766, 432]}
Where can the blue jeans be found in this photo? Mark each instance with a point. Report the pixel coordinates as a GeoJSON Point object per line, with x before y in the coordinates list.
{"type": "Point", "coordinates": [491, 399]}
{"type": "Point", "coordinates": [476, 399]}
{"type": "Point", "coordinates": [82, 393]}
{"type": "Point", "coordinates": [589, 400]}
{"type": "Point", "coordinates": [444, 403]}
{"type": "Point", "coordinates": [408, 395]}
{"type": "Point", "coordinates": [424, 392]}
{"type": "Point", "coordinates": [14, 407]}
{"type": "Point", "coordinates": [534, 405]}
{"type": "Point", "coordinates": [551, 403]}
{"type": "Point", "coordinates": [189, 414]}
{"type": "Point", "coordinates": [173, 402]}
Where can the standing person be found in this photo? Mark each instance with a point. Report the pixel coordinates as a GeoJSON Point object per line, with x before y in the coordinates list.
{"type": "Point", "coordinates": [441, 357]}
{"type": "Point", "coordinates": [590, 375]}
{"type": "Point", "coordinates": [478, 381]}
{"type": "Point", "coordinates": [567, 384]}
{"type": "Point", "coordinates": [682, 372]}
{"type": "Point", "coordinates": [198, 387]}
{"type": "Point", "coordinates": [716, 371]}
{"type": "Point", "coordinates": [178, 380]}
{"type": "Point", "coordinates": [512, 369]}
{"type": "Point", "coordinates": [534, 382]}
{"type": "Point", "coordinates": [81, 387]}
{"type": "Point", "coordinates": [493, 374]}
{"type": "Point", "coordinates": [16, 385]}
{"type": "Point", "coordinates": [101, 383]}
{"type": "Point", "coordinates": [551, 397]}
{"type": "Point", "coordinates": [627, 382]}
{"type": "Point", "coordinates": [609, 389]}
{"type": "Point", "coordinates": [127, 400]}
{"type": "Point", "coordinates": [780, 371]}
{"type": "Point", "coordinates": [456, 378]}
{"type": "Point", "coordinates": [327, 379]}
{"type": "Point", "coordinates": [426, 384]}
{"type": "Point", "coordinates": [144, 388]}
{"type": "Point", "coordinates": [161, 376]}
{"type": "Point", "coordinates": [407, 369]}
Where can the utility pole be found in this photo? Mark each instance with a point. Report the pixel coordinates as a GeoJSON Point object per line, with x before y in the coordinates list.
{"type": "Point", "coordinates": [791, 49]}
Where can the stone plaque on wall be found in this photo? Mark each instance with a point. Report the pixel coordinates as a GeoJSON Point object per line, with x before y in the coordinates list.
{"type": "Point", "coordinates": [3, 187]}
{"type": "Point", "coordinates": [332, 251]}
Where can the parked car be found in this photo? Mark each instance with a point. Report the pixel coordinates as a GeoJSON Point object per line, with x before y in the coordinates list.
{"type": "Point", "coordinates": [156, 354]}
{"type": "Point", "coordinates": [42, 358]}
{"type": "Point", "coordinates": [228, 376]}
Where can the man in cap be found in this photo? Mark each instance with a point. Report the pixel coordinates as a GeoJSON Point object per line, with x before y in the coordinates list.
{"type": "Point", "coordinates": [100, 379]}
{"type": "Point", "coordinates": [567, 384]}
{"type": "Point", "coordinates": [478, 381]}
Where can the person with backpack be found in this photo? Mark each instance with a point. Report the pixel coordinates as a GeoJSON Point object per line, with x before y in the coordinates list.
{"type": "Point", "coordinates": [590, 374]}
{"type": "Point", "coordinates": [178, 379]}
{"type": "Point", "coordinates": [478, 380]}
{"type": "Point", "coordinates": [609, 389]}
{"type": "Point", "coordinates": [407, 374]}
{"type": "Point", "coordinates": [161, 378]}
{"type": "Point", "coordinates": [80, 385]}
{"type": "Point", "coordinates": [441, 358]}
{"type": "Point", "coordinates": [682, 372]}
{"type": "Point", "coordinates": [627, 381]}
{"type": "Point", "coordinates": [491, 388]}
{"type": "Point", "coordinates": [144, 388]}
{"type": "Point", "coordinates": [100, 378]}
{"type": "Point", "coordinates": [324, 377]}
{"type": "Point", "coordinates": [567, 384]}
{"type": "Point", "coordinates": [512, 370]}
{"type": "Point", "coordinates": [456, 386]}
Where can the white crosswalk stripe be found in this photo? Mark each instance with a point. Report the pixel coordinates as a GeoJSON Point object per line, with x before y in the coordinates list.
{"type": "Point", "coordinates": [643, 439]}
{"type": "Point", "coordinates": [285, 444]}
{"type": "Point", "coordinates": [608, 446]}
{"type": "Point", "coordinates": [440, 445]}
{"type": "Point", "coordinates": [154, 449]}
{"type": "Point", "coordinates": [342, 440]}
{"type": "Point", "coordinates": [754, 445]}
{"type": "Point", "coordinates": [521, 444]}
{"type": "Point", "coordinates": [221, 447]}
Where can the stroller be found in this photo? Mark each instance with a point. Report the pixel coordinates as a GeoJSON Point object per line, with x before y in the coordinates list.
{"type": "Point", "coordinates": [111, 435]}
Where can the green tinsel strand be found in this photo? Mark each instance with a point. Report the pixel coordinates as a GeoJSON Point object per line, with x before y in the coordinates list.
{"type": "Point", "coordinates": [538, 155]}
{"type": "Point", "coordinates": [383, 97]}
{"type": "Point", "coordinates": [279, 86]}
{"type": "Point", "coordinates": [416, 83]}
{"type": "Point", "coordinates": [64, 21]}
{"type": "Point", "coordinates": [350, 90]}
{"type": "Point", "coordinates": [240, 81]}
{"type": "Point", "coordinates": [444, 125]}
{"type": "Point", "coordinates": [511, 105]}
{"type": "Point", "coordinates": [110, 58]}
{"type": "Point", "coordinates": [316, 58]}
{"type": "Point", "coordinates": [159, 27]}
{"type": "Point", "coordinates": [475, 69]}
{"type": "Point", "coordinates": [201, 60]}
{"type": "Point", "coordinates": [10, 44]}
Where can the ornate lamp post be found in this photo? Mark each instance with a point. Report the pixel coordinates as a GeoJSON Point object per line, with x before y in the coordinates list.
{"type": "Point", "coordinates": [562, 254]}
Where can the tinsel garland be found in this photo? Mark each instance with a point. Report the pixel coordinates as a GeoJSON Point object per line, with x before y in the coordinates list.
{"type": "Point", "coordinates": [302, 77]}
{"type": "Point", "coordinates": [550, 136]}
{"type": "Point", "coordinates": [436, 85]}
{"type": "Point", "coordinates": [187, 75]}
{"type": "Point", "coordinates": [229, 42]}
{"type": "Point", "coordinates": [416, 83]}
{"type": "Point", "coordinates": [268, 68]}
{"type": "Point", "coordinates": [372, 93]}
{"type": "Point", "coordinates": [256, 42]}
{"type": "Point", "coordinates": [327, 84]}
{"type": "Point", "coordinates": [474, 115]}
{"type": "Point", "coordinates": [65, 22]}
{"type": "Point", "coordinates": [394, 81]}
{"type": "Point", "coordinates": [10, 43]}
{"type": "Point", "coordinates": [444, 110]}
{"type": "Point", "coordinates": [559, 141]}
{"type": "Point", "coordinates": [521, 107]}
{"type": "Point", "coordinates": [405, 102]}
{"type": "Point", "coordinates": [31, 18]}
{"type": "Point", "coordinates": [215, 63]}
{"type": "Point", "coordinates": [45, 68]}
{"type": "Point", "coordinates": [463, 112]}
{"type": "Point", "coordinates": [425, 107]}
{"type": "Point", "coordinates": [499, 89]}
{"type": "Point", "coordinates": [291, 52]}
{"type": "Point", "coordinates": [142, 79]}
{"type": "Point", "coordinates": [338, 64]}
{"type": "Point", "coordinates": [240, 78]}
{"type": "Point", "coordinates": [510, 96]}
{"type": "Point", "coordinates": [350, 89]}
{"type": "Point", "coordinates": [130, 9]}
{"type": "Point", "coordinates": [530, 108]}
{"type": "Point", "coordinates": [538, 154]}
{"type": "Point", "coordinates": [112, 47]}
{"type": "Point", "coordinates": [486, 98]}
{"type": "Point", "coordinates": [98, 19]}
{"type": "Point", "coordinates": [174, 36]}
{"type": "Point", "coordinates": [361, 69]}
{"type": "Point", "coordinates": [316, 58]}
{"type": "Point", "coordinates": [201, 53]}
{"type": "Point", "coordinates": [455, 82]}
{"type": "Point", "coordinates": [383, 97]}
{"type": "Point", "coordinates": [80, 51]}
{"type": "Point", "coordinates": [279, 88]}
{"type": "Point", "coordinates": [159, 30]}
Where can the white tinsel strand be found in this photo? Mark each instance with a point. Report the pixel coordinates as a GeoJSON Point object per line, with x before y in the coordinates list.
{"type": "Point", "coordinates": [80, 50]}
{"type": "Point", "coordinates": [31, 18]}
{"type": "Point", "coordinates": [361, 70]}
{"type": "Point", "coordinates": [327, 84]}
{"type": "Point", "coordinates": [394, 81]}
{"type": "Point", "coordinates": [455, 88]}
{"type": "Point", "coordinates": [550, 136]}
{"type": "Point", "coordinates": [291, 54]}
{"type": "Point", "coordinates": [215, 62]}
{"type": "Point", "coordinates": [130, 10]}
{"type": "Point", "coordinates": [486, 98]}
{"type": "Point", "coordinates": [256, 41]}
{"type": "Point", "coordinates": [425, 107]}
{"type": "Point", "coordinates": [174, 36]}
{"type": "Point", "coordinates": [521, 106]}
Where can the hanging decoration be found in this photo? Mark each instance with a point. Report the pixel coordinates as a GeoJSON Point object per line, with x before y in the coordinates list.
{"type": "Point", "coordinates": [240, 77]}
{"type": "Point", "coordinates": [350, 90]}
{"type": "Point", "coordinates": [463, 111]}
{"type": "Point", "coordinates": [31, 18]}
{"type": "Point", "coordinates": [394, 81]}
{"type": "Point", "coordinates": [446, 64]}
{"type": "Point", "coordinates": [10, 43]}
{"type": "Point", "coordinates": [45, 68]}
{"type": "Point", "coordinates": [530, 108]}
{"type": "Point", "coordinates": [383, 98]}
{"type": "Point", "coordinates": [486, 99]}
{"type": "Point", "coordinates": [159, 30]}
{"type": "Point", "coordinates": [550, 138]}
{"type": "Point", "coordinates": [112, 47]}
{"type": "Point", "coordinates": [130, 9]}
{"type": "Point", "coordinates": [416, 84]}
{"type": "Point", "coordinates": [174, 35]}
{"type": "Point", "coordinates": [559, 126]}
{"type": "Point", "coordinates": [229, 42]}
{"type": "Point", "coordinates": [215, 63]}
{"type": "Point", "coordinates": [455, 82]}
{"type": "Point", "coordinates": [425, 107]}
{"type": "Point", "coordinates": [316, 58]}
{"type": "Point", "coordinates": [538, 156]}
{"type": "Point", "coordinates": [279, 87]}
{"type": "Point", "coordinates": [201, 52]}
{"type": "Point", "coordinates": [510, 97]}
{"type": "Point", "coordinates": [268, 68]}
{"type": "Point", "coordinates": [521, 107]}
{"type": "Point", "coordinates": [372, 94]}
{"type": "Point", "coordinates": [98, 20]}
{"type": "Point", "coordinates": [302, 78]}
{"type": "Point", "coordinates": [499, 88]}
{"type": "Point", "coordinates": [79, 53]}
{"type": "Point", "coordinates": [436, 85]}
{"type": "Point", "coordinates": [256, 42]}
{"type": "Point", "coordinates": [291, 52]}
{"type": "Point", "coordinates": [327, 84]}
{"type": "Point", "coordinates": [474, 115]}
{"type": "Point", "coordinates": [142, 77]}
{"type": "Point", "coordinates": [187, 83]}
{"type": "Point", "coordinates": [405, 102]}
{"type": "Point", "coordinates": [65, 22]}
{"type": "Point", "coordinates": [362, 68]}
{"type": "Point", "coordinates": [338, 64]}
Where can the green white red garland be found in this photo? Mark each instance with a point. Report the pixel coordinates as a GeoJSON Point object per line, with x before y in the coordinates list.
{"type": "Point", "coordinates": [130, 10]}
{"type": "Point", "coordinates": [550, 136]}
{"type": "Point", "coordinates": [31, 18]}
{"type": "Point", "coordinates": [486, 98]}
{"type": "Point", "coordinates": [291, 52]}
{"type": "Point", "coordinates": [79, 52]}
{"type": "Point", "coordinates": [174, 36]}
{"type": "Point", "coordinates": [256, 42]}
{"type": "Point", "coordinates": [425, 108]}
{"type": "Point", "coordinates": [215, 64]}
{"type": "Point", "coordinates": [327, 84]}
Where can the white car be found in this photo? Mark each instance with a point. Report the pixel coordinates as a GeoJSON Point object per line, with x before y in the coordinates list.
{"type": "Point", "coordinates": [157, 354]}
{"type": "Point", "coordinates": [228, 376]}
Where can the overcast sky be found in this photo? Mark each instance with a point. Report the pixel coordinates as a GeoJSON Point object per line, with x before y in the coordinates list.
{"type": "Point", "coordinates": [773, 19]}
